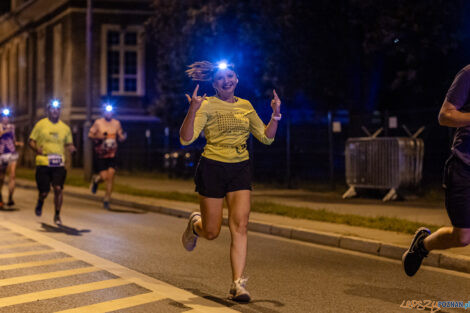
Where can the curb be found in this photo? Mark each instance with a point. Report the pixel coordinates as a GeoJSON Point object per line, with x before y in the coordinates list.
{"type": "Point", "coordinates": [441, 260]}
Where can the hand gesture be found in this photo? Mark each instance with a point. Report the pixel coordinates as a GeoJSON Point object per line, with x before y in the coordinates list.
{"type": "Point", "coordinates": [276, 103]}
{"type": "Point", "coordinates": [195, 101]}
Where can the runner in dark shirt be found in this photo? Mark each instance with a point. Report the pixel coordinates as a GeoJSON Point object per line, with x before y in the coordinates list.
{"type": "Point", "coordinates": [455, 112]}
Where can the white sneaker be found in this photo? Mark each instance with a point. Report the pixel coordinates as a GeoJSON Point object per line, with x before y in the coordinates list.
{"type": "Point", "coordinates": [239, 292]}
{"type": "Point", "coordinates": [189, 238]}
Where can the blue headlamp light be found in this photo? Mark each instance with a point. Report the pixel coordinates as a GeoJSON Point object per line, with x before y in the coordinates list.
{"type": "Point", "coordinates": [6, 112]}
{"type": "Point", "coordinates": [55, 104]}
{"type": "Point", "coordinates": [222, 65]}
{"type": "Point", "coordinates": [108, 108]}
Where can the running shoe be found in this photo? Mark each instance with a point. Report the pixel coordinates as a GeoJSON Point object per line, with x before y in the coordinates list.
{"type": "Point", "coordinates": [1, 205]}
{"type": "Point", "coordinates": [11, 203]}
{"type": "Point", "coordinates": [57, 220]}
{"type": "Point", "coordinates": [239, 292]}
{"type": "Point", "coordinates": [106, 205]}
{"type": "Point", "coordinates": [189, 237]}
{"type": "Point", "coordinates": [413, 257]}
{"type": "Point", "coordinates": [38, 209]}
{"type": "Point", "coordinates": [94, 184]}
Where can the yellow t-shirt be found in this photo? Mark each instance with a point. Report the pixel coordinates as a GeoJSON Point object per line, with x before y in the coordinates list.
{"type": "Point", "coordinates": [227, 127]}
{"type": "Point", "coordinates": [51, 137]}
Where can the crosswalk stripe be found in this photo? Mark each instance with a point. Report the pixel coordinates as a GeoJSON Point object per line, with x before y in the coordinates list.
{"type": "Point", "coordinates": [18, 245]}
{"type": "Point", "coordinates": [26, 253]}
{"type": "Point", "coordinates": [60, 292]}
{"type": "Point", "coordinates": [43, 276]}
{"type": "Point", "coordinates": [35, 263]}
{"type": "Point", "coordinates": [196, 303]}
{"type": "Point", "coordinates": [117, 304]}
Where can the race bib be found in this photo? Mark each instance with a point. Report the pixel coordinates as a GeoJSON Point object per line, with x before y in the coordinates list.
{"type": "Point", "coordinates": [109, 143]}
{"type": "Point", "coordinates": [55, 160]}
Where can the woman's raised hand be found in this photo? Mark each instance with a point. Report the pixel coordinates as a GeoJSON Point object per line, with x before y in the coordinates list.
{"type": "Point", "coordinates": [276, 104]}
{"type": "Point", "coordinates": [195, 101]}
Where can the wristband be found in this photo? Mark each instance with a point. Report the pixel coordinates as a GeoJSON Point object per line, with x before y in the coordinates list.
{"type": "Point", "coordinates": [276, 118]}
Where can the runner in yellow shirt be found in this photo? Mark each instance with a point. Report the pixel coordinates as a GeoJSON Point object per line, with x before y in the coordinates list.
{"type": "Point", "coordinates": [49, 138]}
{"type": "Point", "coordinates": [224, 170]}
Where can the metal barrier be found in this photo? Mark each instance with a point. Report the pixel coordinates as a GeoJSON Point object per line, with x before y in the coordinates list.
{"type": "Point", "coordinates": [389, 163]}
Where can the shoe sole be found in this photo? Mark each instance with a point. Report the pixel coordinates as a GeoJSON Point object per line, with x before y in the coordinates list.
{"type": "Point", "coordinates": [415, 238]}
{"type": "Point", "coordinates": [241, 298]}
{"type": "Point", "coordinates": [188, 228]}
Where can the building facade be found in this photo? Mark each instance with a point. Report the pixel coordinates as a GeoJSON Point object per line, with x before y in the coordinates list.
{"type": "Point", "coordinates": [43, 56]}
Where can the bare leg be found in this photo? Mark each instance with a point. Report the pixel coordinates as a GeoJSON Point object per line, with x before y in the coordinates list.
{"type": "Point", "coordinates": [239, 212]}
{"type": "Point", "coordinates": [2, 179]}
{"type": "Point", "coordinates": [211, 217]}
{"type": "Point", "coordinates": [58, 197]}
{"type": "Point", "coordinates": [12, 181]}
{"type": "Point", "coordinates": [109, 183]}
{"type": "Point", "coordinates": [447, 237]}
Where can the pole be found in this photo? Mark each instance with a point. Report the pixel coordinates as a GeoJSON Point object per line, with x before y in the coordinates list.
{"type": "Point", "coordinates": [330, 140]}
{"type": "Point", "coordinates": [288, 169]}
{"type": "Point", "coordinates": [87, 149]}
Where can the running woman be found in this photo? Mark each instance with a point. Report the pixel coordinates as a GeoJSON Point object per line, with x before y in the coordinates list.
{"type": "Point", "coordinates": [8, 155]}
{"type": "Point", "coordinates": [49, 139]}
{"type": "Point", "coordinates": [224, 170]}
{"type": "Point", "coordinates": [456, 182]}
{"type": "Point", "coordinates": [105, 133]}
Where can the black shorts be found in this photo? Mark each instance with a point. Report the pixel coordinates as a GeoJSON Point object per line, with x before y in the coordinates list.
{"type": "Point", "coordinates": [214, 179]}
{"type": "Point", "coordinates": [456, 183]}
{"type": "Point", "coordinates": [47, 176]}
{"type": "Point", "coordinates": [104, 164]}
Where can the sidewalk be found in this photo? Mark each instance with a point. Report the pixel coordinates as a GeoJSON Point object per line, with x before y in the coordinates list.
{"type": "Point", "coordinates": [378, 242]}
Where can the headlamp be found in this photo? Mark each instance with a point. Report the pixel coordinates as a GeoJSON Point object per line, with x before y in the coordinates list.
{"type": "Point", "coordinates": [6, 112]}
{"type": "Point", "coordinates": [55, 104]}
{"type": "Point", "coordinates": [108, 108]}
{"type": "Point", "coordinates": [222, 65]}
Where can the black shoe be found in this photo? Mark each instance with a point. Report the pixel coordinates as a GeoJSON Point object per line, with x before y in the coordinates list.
{"type": "Point", "coordinates": [11, 203]}
{"type": "Point", "coordinates": [106, 205]}
{"type": "Point", "coordinates": [413, 257]}
{"type": "Point", "coordinates": [94, 185]}
{"type": "Point", "coordinates": [38, 209]}
{"type": "Point", "coordinates": [57, 220]}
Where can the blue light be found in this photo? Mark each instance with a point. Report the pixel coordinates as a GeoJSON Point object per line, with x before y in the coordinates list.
{"type": "Point", "coordinates": [108, 108]}
{"type": "Point", "coordinates": [222, 65]}
{"type": "Point", "coordinates": [6, 112]}
{"type": "Point", "coordinates": [55, 104]}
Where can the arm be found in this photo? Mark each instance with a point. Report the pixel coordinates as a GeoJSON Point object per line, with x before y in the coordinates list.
{"type": "Point", "coordinates": [71, 147]}
{"type": "Point", "coordinates": [450, 116]}
{"type": "Point", "coordinates": [258, 129]}
{"type": "Point", "coordinates": [33, 145]}
{"type": "Point", "coordinates": [194, 120]}
{"type": "Point", "coordinates": [94, 132]}
{"type": "Point", "coordinates": [271, 129]}
{"type": "Point", "coordinates": [456, 97]}
{"type": "Point", "coordinates": [69, 142]}
{"type": "Point", "coordinates": [121, 135]}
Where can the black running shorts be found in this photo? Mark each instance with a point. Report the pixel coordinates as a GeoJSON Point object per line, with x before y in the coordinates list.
{"type": "Point", "coordinates": [456, 183]}
{"type": "Point", "coordinates": [214, 179]}
{"type": "Point", "coordinates": [103, 164]}
{"type": "Point", "coordinates": [47, 176]}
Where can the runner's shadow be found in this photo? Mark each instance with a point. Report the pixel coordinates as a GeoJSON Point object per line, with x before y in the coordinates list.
{"type": "Point", "coordinates": [250, 307]}
{"type": "Point", "coordinates": [9, 209]}
{"type": "Point", "coordinates": [63, 229]}
{"type": "Point", "coordinates": [127, 211]}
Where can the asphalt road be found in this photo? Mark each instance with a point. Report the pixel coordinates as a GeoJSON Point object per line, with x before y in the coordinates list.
{"type": "Point", "coordinates": [284, 275]}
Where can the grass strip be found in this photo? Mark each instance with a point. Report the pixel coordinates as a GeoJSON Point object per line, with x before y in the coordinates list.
{"type": "Point", "coordinates": [381, 222]}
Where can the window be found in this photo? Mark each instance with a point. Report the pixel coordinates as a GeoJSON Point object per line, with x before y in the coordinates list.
{"type": "Point", "coordinates": [122, 61]}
